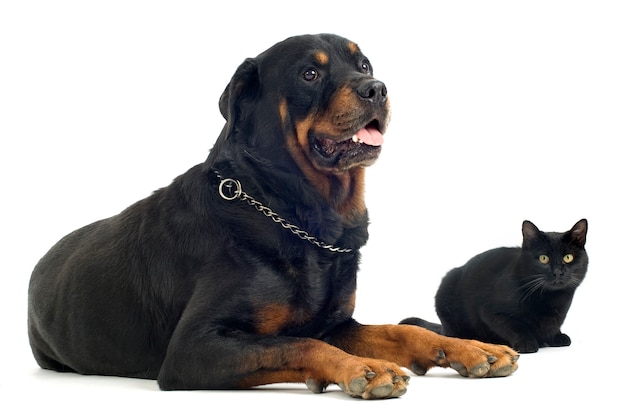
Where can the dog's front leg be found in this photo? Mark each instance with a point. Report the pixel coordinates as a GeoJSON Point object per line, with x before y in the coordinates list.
{"type": "Point", "coordinates": [200, 359]}
{"type": "Point", "coordinates": [419, 349]}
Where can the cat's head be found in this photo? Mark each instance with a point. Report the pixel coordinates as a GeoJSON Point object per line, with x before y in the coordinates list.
{"type": "Point", "coordinates": [554, 260]}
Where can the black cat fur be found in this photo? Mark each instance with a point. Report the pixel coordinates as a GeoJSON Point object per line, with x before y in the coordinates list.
{"type": "Point", "coordinates": [509, 296]}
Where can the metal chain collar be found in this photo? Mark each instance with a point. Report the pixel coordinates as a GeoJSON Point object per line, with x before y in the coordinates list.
{"type": "Point", "coordinates": [230, 189]}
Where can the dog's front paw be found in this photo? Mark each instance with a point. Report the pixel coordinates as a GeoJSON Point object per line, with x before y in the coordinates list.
{"type": "Point", "coordinates": [475, 359]}
{"type": "Point", "coordinates": [376, 380]}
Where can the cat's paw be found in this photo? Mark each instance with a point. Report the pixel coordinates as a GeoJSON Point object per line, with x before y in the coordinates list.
{"type": "Point", "coordinates": [526, 346]}
{"type": "Point", "coordinates": [558, 340]}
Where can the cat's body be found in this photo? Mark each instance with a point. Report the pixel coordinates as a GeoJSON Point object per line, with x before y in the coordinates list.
{"type": "Point", "coordinates": [514, 296]}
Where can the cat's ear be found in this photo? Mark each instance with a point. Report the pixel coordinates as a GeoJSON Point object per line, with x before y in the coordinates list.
{"type": "Point", "coordinates": [530, 232]}
{"type": "Point", "coordinates": [579, 232]}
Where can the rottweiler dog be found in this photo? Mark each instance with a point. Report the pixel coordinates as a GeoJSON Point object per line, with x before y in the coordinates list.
{"type": "Point", "coordinates": [242, 271]}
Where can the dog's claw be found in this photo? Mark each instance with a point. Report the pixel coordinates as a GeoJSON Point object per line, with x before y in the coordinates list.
{"type": "Point", "coordinates": [418, 370]}
{"type": "Point", "coordinates": [460, 368]}
{"type": "Point", "coordinates": [358, 385]}
{"type": "Point", "coordinates": [382, 391]}
{"type": "Point", "coordinates": [404, 378]}
{"type": "Point", "coordinates": [315, 386]}
{"type": "Point", "coordinates": [503, 371]}
{"type": "Point", "coordinates": [479, 370]}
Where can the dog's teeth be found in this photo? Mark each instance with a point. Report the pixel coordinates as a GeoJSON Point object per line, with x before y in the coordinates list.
{"type": "Point", "coordinates": [355, 138]}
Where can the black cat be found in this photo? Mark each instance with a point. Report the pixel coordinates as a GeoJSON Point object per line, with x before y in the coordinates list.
{"type": "Point", "coordinates": [514, 296]}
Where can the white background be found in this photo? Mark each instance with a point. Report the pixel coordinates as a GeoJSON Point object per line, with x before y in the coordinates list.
{"type": "Point", "coordinates": [502, 111]}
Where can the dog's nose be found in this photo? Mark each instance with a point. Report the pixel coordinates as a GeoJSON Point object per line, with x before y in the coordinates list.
{"type": "Point", "coordinates": [373, 90]}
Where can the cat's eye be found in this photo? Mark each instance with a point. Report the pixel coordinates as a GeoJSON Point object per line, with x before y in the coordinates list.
{"type": "Point", "coordinates": [568, 258]}
{"type": "Point", "coordinates": [544, 259]}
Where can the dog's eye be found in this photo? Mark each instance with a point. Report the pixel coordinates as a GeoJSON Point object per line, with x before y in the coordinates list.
{"type": "Point", "coordinates": [366, 67]}
{"type": "Point", "coordinates": [310, 74]}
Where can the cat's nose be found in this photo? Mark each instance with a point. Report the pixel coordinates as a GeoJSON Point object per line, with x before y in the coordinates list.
{"type": "Point", "coordinates": [558, 276]}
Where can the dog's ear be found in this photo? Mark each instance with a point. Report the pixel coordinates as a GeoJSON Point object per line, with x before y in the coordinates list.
{"type": "Point", "coordinates": [242, 89]}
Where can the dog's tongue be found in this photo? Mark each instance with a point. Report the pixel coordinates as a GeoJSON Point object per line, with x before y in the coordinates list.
{"type": "Point", "coordinates": [370, 136]}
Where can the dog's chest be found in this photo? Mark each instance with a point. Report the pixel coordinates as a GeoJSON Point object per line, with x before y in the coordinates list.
{"type": "Point", "coordinates": [302, 298]}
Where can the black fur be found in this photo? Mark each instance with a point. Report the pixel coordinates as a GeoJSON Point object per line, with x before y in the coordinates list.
{"type": "Point", "coordinates": [508, 296]}
{"type": "Point", "coordinates": [170, 288]}
{"type": "Point", "coordinates": [201, 292]}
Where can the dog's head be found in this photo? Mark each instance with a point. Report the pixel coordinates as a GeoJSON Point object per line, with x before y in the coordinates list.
{"type": "Point", "coordinates": [315, 97]}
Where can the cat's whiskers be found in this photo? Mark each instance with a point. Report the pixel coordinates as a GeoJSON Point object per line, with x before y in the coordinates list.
{"type": "Point", "coordinates": [576, 280]}
{"type": "Point", "coordinates": [535, 283]}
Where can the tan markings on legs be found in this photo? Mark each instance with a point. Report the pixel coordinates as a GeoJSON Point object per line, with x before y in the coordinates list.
{"type": "Point", "coordinates": [419, 349]}
{"type": "Point", "coordinates": [319, 364]}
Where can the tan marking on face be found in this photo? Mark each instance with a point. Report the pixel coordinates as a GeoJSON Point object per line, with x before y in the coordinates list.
{"type": "Point", "coordinates": [354, 206]}
{"type": "Point", "coordinates": [353, 47]}
{"type": "Point", "coordinates": [298, 146]}
{"type": "Point", "coordinates": [334, 123]}
{"type": "Point", "coordinates": [282, 110]}
{"type": "Point", "coordinates": [343, 189]}
{"type": "Point", "coordinates": [321, 58]}
{"type": "Point", "coordinates": [343, 104]}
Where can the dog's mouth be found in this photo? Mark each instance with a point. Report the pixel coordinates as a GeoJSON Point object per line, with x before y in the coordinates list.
{"type": "Point", "coordinates": [362, 148]}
